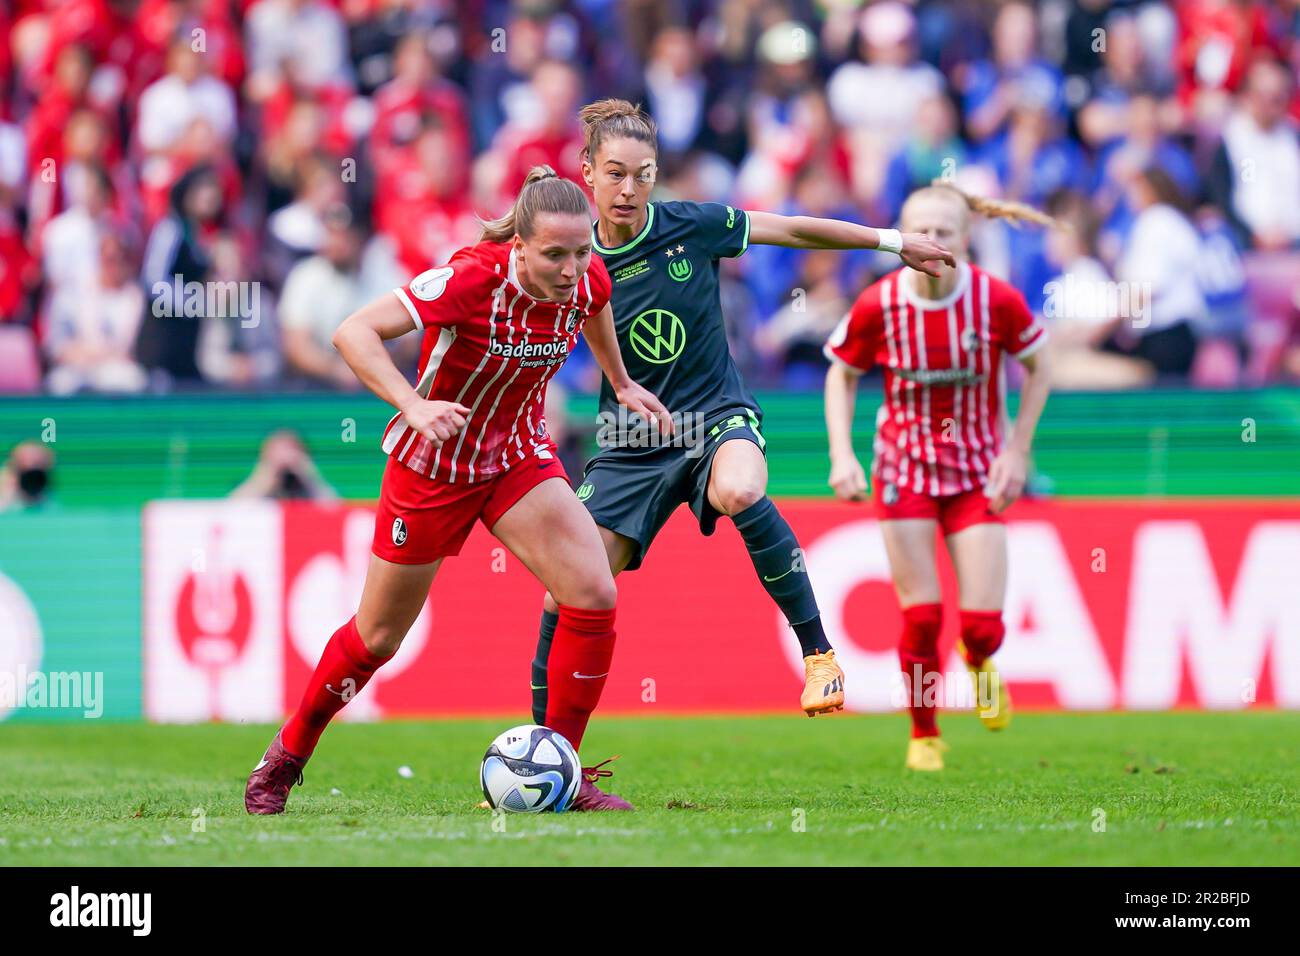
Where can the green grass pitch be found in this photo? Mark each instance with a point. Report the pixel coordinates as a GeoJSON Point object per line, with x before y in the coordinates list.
{"type": "Point", "coordinates": [1170, 789]}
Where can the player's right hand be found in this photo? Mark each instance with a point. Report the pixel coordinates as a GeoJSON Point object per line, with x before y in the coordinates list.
{"type": "Point", "coordinates": [920, 252]}
{"type": "Point", "coordinates": [849, 480]}
{"type": "Point", "coordinates": [436, 421]}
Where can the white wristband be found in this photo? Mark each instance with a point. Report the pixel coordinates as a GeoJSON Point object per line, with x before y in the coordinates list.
{"type": "Point", "coordinates": [889, 240]}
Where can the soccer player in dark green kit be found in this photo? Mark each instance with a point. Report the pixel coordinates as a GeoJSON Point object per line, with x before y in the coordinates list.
{"type": "Point", "coordinates": [663, 260]}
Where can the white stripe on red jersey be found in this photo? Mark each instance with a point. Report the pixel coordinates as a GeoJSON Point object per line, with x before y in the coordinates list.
{"type": "Point", "coordinates": [490, 346]}
{"type": "Point", "coordinates": [940, 425]}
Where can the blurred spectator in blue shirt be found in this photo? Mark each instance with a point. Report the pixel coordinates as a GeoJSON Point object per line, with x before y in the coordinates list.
{"type": "Point", "coordinates": [1142, 145]}
{"type": "Point", "coordinates": [1033, 159]}
{"type": "Point", "coordinates": [992, 89]}
{"type": "Point", "coordinates": [933, 150]}
{"type": "Point", "coordinates": [772, 271]}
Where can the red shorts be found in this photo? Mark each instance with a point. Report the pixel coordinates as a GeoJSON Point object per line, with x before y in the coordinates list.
{"type": "Point", "coordinates": [422, 519]}
{"type": "Point", "coordinates": [953, 512]}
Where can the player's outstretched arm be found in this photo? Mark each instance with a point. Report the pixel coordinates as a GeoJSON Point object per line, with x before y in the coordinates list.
{"type": "Point", "coordinates": [847, 476]}
{"type": "Point", "coordinates": [603, 339]}
{"type": "Point", "coordinates": [360, 340]}
{"type": "Point", "coordinates": [809, 232]}
{"type": "Point", "coordinates": [1008, 471]}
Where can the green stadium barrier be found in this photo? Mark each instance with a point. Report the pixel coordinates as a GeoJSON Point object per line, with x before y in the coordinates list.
{"type": "Point", "coordinates": [126, 451]}
{"type": "Point", "coordinates": [70, 613]}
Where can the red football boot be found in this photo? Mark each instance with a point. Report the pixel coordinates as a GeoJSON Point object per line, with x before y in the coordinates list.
{"type": "Point", "coordinates": [591, 797]}
{"type": "Point", "coordinates": [272, 779]}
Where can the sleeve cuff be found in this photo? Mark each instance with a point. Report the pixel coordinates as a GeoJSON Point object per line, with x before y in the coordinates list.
{"type": "Point", "coordinates": [836, 360]}
{"type": "Point", "coordinates": [1032, 347]}
{"type": "Point", "coordinates": [410, 308]}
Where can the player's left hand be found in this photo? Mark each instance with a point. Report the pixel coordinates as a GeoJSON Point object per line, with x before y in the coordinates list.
{"type": "Point", "coordinates": [645, 403]}
{"type": "Point", "coordinates": [920, 250]}
{"type": "Point", "coordinates": [1006, 479]}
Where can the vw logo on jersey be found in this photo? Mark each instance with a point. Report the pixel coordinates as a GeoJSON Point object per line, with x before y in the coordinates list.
{"type": "Point", "coordinates": [399, 532]}
{"type": "Point", "coordinates": [430, 284]}
{"type": "Point", "coordinates": [680, 269]}
{"type": "Point", "coordinates": [585, 490]}
{"type": "Point", "coordinates": [657, 336]}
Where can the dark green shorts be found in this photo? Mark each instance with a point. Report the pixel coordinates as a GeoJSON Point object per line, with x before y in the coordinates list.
{"type": "Point", "coordinates": [634, 495]}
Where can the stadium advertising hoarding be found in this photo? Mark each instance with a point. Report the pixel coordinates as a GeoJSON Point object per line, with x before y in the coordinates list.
{"type": "Point", "coordinates": [1110, 605]}
{"type": "Point", "coordinates": [70, 614]}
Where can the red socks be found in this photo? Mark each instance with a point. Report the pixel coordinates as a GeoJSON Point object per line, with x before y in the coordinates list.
{"type": "Point", "coordinates": [982, 633]}
{"type": "Point", "coordinates": [918, 656]}
{"type": "Point", "coordinates": [581, 652]}
{"type": "Point", "coordinates": [345, 667]}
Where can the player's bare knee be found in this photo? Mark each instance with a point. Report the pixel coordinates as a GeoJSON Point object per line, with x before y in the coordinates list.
{"type": "Point", "coordinates": [382, 639]}
{"type": "Point", "coordinates": [737, 495]}
{"type": "Point", "coordinates": [915, 592]}
{"type": "Point", "coordinates": [598, 594]}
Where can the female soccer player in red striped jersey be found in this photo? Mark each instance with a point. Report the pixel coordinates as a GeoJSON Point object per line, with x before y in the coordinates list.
{"type": "Point", "coordinates": [939, 459]}
{"type": "Point", "coordinates": [469, 443]}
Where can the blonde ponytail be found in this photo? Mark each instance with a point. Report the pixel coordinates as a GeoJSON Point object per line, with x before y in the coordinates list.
{"type": "Point", "coordinates": [1014, 212]}
{"type": "Point", "coordinates": [543, 191]}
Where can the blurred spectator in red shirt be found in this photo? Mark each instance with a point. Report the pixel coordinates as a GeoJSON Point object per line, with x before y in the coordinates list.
{"type": "Point", "coordinates": [422, 207]}
{"type": "Point", "coordinates": [85, 142]}
{"type": "Point", "coordinates": [1216, 40]}
{"type": "Point", "coordinates": [44, 29]}
{"type": "Point", "coordinates": [16, 270]}
{"type": "Point", "coordinates": [67, 93]}
{"type": "Point", "coordinates": [415, 92]}
{"type": "Point", "coordinates": [543, 129]}
{"type": "Point", "coordinates": [206, 23]}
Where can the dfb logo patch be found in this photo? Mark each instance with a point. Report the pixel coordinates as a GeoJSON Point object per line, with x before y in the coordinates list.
{"type": "Point", "coordinates": [399, 532]}
{"type": "Point", "coordinates": [431, 283]}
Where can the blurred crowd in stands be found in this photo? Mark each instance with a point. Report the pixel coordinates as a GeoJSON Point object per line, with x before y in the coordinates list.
{"type": "Point", "coordinates": [194, 193]}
